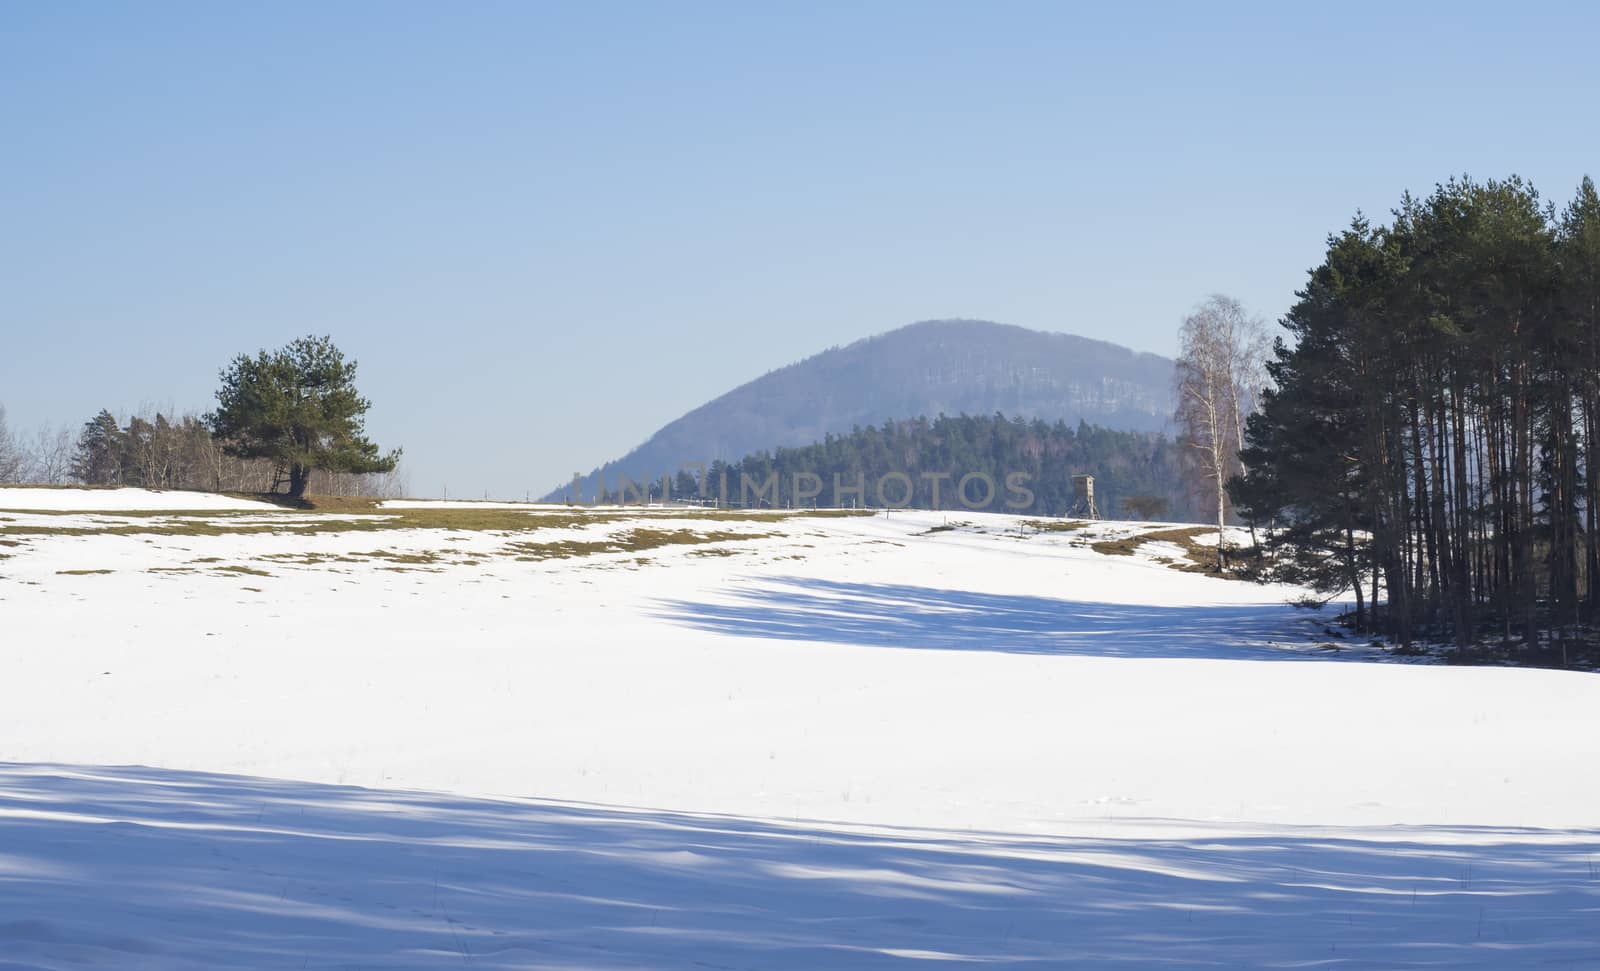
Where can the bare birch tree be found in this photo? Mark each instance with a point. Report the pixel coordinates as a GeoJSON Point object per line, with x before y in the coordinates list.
{"type": "Point", "coordinates": [1220, 375]}
{"type": "Point", "coordinates": [1252, 347]}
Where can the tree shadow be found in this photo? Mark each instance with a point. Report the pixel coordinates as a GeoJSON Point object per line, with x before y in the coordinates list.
{"type": "Point", "coordinates": [925, 618]}
{"type": "Point", "coordinates": [136, 867]}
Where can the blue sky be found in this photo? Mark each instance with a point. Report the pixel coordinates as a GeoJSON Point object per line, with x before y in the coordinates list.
{"type": "Point", "coordinates": [546, 229]}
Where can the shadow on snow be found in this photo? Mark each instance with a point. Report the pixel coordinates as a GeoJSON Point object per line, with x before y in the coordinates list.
{"type": "Point", "coordinates": [134, 867]}
{"type": "Point", "coordinates": [890, 615]}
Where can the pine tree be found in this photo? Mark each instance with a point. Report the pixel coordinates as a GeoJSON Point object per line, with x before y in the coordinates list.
{"type": "Point", "coordinates": [1435, 429]}
{"type": "Point", "coordinates": [299, 408]}
{"type": "Point", "coordinates": [99, 456]}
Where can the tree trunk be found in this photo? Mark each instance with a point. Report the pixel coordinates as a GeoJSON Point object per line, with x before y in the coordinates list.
{"type": "Point", "coordinates": [1222, 520]}
{"type": "Point", "coordinates": [1353, 564]}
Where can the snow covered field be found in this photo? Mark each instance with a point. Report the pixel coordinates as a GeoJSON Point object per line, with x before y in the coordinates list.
{"type": "Point", "coordinates": [648, 738]}
{"type": "Point", "coordinates": [119, 500]}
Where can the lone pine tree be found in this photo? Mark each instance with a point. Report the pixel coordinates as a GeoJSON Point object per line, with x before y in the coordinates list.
{"type": "Point", "coordinates": [298, 407]}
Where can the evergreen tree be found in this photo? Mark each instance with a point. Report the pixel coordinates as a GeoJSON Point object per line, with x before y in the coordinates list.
{"type": "Point", "coordinates": [297, 407]}
{"type": "Point", "coordinates": [1433, 434]}
{"type": "Point", "coordinates": [937, 455]}
{"type": "Point", "coordinates": [99, 456]}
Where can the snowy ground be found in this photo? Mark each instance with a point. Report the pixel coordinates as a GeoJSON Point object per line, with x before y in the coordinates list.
{"type": "Point", "coordinates": [809, 743]}
{"type": "Point", "coordinates": [91, 500]}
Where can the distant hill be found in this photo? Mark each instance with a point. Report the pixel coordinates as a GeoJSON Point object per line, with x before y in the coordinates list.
{"type": "Point", "coordinates": [952, 367]}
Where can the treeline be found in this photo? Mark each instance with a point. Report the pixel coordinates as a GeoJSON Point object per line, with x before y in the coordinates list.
{"type": "Point", "coordinates": [1433, 441]}
{"type": "Point", "coordinates": [1137, 474]}
{"type": "Point", "coordinates": [157, 451]}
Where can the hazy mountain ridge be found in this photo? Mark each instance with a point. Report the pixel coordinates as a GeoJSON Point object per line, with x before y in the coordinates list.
{"type": "Point", "coordinates": [944, 366]}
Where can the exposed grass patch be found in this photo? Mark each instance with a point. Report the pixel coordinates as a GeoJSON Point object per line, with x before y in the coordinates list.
{"type": "Point", "coordinates": [312, 559]}
{"type": "Point", "coordinates": [647, 539]}
{"type": "Point", "coordinates": [650, 529]}
{"type": "Point", "coordinates": [1128, 545]}
{"type": "Point", "coordinates": [1198, 557]}
{"type": "Point", "coordinates": [628, 541]}
{"type": "Point", "coordinates": [147, 524]}
{"type": "Point", "coordinates": [1055, 525]}
{"type": "Point", "coordinates": [345, 515]}
{"type": "Point", "coordinates": [80, 573]}
{"type": "Point", "coordinates": [347, 504]}
{"type": "Point", "coordinates": [560, 549]}
{"type": "Point", "coordinates": [394, 556]}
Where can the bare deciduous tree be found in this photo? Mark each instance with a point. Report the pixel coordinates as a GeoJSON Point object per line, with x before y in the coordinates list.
{"type": "Point", "coordinates": [10, 452]}
{"type": "Point", "coordinates": [48, 459]}
{"type": "Point", "coordinates": [1220, 375]}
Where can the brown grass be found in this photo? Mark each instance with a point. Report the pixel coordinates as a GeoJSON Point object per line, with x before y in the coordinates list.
{"type": "Point", "coordinates": [630, 541]}
{"type": "Point", "coordinates": [1198, 557]}
{"type": "Point", "coordinates": [343, 515]}
{"type": "Point", "coordinates": [1055, 525]}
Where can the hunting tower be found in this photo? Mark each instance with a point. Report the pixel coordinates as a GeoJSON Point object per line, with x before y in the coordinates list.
{"type": "Point", "coordinates": [1083, 497]}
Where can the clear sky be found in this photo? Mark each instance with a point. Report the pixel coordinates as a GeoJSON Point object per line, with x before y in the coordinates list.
{"type": "Point", "coordinates": [546, 229]}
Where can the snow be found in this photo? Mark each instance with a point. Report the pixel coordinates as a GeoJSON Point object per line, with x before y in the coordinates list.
{"type": "Point", "coordinates": [105, 500]}
{"type": "Point", "coordinates": [853, 743]}
{"type": "Point", "coordinates": [184, 870]}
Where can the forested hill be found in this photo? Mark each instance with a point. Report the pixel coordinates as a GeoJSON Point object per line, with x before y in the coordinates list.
{"type": "Point", "coordinates": [1138, 466]}
{"type": "Point", "coordinates": [944, 366]}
